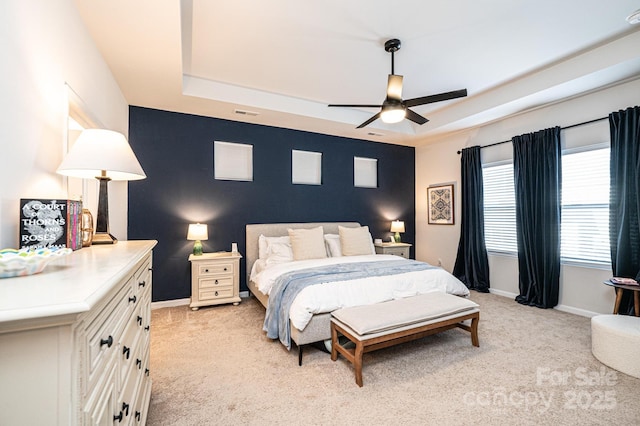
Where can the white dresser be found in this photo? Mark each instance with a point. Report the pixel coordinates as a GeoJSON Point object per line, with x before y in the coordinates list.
{"type": "Point", "coordinates": [74, 339]}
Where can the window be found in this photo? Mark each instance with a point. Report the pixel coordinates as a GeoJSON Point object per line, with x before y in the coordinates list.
{"type": "Point", "coordinates": [499, 208]}
{"type": "Point", "coordinates": [585, 207]}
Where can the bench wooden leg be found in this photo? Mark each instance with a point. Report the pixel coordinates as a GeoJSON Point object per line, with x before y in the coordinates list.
{"type": "Point", "coordinates": [334, 343]}
{"type": "Point", "coordinates": [474, 331]}
{"type": "Point", "coordinates": [357, 362]}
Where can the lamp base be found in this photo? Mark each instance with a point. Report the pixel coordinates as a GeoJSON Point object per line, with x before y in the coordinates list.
{"type": "Point", "coordinates": [397, 237]}
{"type": "Point", "coordinates": [197, 248]}
{"type": "Point", "coordinates": [103, 238]}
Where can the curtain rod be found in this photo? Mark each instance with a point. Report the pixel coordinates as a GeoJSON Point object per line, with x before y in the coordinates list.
{"type": "Point", "coordinates": [561, 128]}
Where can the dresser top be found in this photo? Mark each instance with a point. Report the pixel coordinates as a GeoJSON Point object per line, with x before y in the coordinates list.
{"type": "Point", "coordinates": [70, 285]}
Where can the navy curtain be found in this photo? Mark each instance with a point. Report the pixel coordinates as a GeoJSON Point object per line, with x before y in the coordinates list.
{"type": "Point", "coordinates": [537, 170]}
{"type": "Point", "coordinates": [624, 204]}
{"type": "Point", "coordinates": [472, 265]}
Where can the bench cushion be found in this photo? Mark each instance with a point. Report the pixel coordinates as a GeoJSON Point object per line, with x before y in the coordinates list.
{"type": "Point", "coordinates": [367, 319]}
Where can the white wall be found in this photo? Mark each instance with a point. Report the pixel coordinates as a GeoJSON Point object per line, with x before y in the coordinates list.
{"type": "Point", "coordinates": [581, 289]}
{"type": "Point", "coordinates": [44, 44]}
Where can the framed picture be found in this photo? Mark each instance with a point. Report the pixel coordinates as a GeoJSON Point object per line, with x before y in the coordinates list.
{"type": "Point", "coordinates": [440, 204]}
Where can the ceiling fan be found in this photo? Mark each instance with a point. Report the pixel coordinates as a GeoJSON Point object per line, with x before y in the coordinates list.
{"type": "Point", "coordinates": [394, 109]}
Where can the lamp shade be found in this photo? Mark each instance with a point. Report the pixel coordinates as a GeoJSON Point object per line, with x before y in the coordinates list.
{"type": "Point", "coordinates": [98, 150]}
{"type": "Point", "coordinates": [397, 226]}
{"type": "Point", "coordinates": [197, 231]}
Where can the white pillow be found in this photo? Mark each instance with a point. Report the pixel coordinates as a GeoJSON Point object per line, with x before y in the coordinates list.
{"type": "Point", "coordinates": [263, 244]}
{"type": "Point", "coordinates": [307, 243]}
{"type": "Point", "coordinates": [332, 241]}
{"type": "Point", "coordinates": [279, 252]}
{"type": "Point", "coordinates": [355, 241]}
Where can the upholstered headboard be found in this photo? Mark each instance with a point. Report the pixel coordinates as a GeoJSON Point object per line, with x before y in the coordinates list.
{"type": "Point", "coordinates": [254, 231]}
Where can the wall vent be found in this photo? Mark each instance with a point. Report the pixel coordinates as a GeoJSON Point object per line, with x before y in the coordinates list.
{"type": "Point", "coordinates": [245, 112]}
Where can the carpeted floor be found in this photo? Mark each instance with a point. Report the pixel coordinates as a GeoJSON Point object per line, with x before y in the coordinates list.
{"type": "Point", "coordinates": [215, 366]}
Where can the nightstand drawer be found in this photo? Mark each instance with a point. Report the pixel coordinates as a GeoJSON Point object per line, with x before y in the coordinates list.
{"type": "Point", "coordinates": [398, 251]}
{"type": "Point", "coordinates": [216, 268]}
{"type": "Point", "coordinates": [217, 293]}
{"type": "Point", "coordinates": [221, 281]}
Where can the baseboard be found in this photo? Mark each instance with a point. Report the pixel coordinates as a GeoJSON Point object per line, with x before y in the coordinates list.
{"type": "Point", "coordinates": [502, 293]}
{"type": "Point", "coordinates": [170, 303]}
{"type": "Point", "coordinates": [182, 302]}
{"type": "Point", "coordinates": [576, 311]}
{"type": "Point", "coordinates": [561, 308]}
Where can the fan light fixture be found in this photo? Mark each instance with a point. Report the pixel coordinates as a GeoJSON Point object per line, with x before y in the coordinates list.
{"type": "Point", "coordinates": [634, 18]}
{"type": "Point", "coordinates": [393, 114]}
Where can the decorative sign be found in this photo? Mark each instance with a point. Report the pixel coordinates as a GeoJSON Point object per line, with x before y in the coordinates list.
{"type": "Point", "coordinates": [440, 204]}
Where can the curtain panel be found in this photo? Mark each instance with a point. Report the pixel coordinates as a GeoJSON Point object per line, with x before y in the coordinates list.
{"type": "Point", "coordinates": [624, 203]}
{"type": "Point", "coordinates": [537, 169]}
{"type": "Point", "coordinates": [472, 264]}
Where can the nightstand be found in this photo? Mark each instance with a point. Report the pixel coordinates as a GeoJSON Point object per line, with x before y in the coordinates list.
{"type": "Point", "coordinates": [399, 249]}
{"type": "Point", "coordinates": [215, 279]}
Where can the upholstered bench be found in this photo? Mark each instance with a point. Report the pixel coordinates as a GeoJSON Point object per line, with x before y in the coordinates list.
{"type": "Point", "coordinates": [372, 327]}
{"type": "Point", "coordinates": [615, 341]}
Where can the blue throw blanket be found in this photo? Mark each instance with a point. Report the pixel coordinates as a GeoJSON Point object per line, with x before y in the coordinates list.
{"type": "Point", "coordinates": [287, 286]}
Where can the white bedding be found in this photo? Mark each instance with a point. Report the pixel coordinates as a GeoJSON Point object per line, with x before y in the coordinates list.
{"type": "Point", "coordinates": [330, 296]}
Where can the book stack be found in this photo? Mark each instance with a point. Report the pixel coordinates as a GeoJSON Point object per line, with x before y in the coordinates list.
{"type": "Point", "coordinates": [46, 223]}
{"type": "Point", "coordinates": [624, 281]}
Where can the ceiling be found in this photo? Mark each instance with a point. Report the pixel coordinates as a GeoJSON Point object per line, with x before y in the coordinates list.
{"type": "Point", "coordinates": [286, 60]}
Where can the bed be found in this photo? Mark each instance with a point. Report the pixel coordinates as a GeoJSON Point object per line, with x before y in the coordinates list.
{"type": "Point", "coordinates": [311, 324]}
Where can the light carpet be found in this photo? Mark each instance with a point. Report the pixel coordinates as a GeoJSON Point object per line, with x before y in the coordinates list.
{"type": "Point", "coordinates": [215, 366]}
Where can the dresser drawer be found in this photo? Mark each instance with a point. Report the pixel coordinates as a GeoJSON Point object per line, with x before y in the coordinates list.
{"type": "Point", "coordinates": [215, 268]}
{"type": "Point", "coordinates": [104, 332]}
{"type": "Point", "coordinates": [219, 293]}
{"type": "Point", "coordinates": [217, 282]}
{"type": "Point", "coordinates": [398, 251]}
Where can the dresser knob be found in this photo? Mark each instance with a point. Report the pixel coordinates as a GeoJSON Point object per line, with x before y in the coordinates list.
{"type": "Point", "coordinates": [133, 299]}
{"type": "Point", "coordinates": [146, 328]}
{"type": "Point", "coordinates": [225, 269]}
{"type": "Point", "coordinates": [108, 341]}
{"type": "Point", "coordinates": [139, 320]}
{"type": "Point", "coordinates": [126, 351]}
{"type": "Point", "coordinates": [216, 293]}
{"type": "Point", "coordinates": [216, 281]}
{"type": "Point", "coordinates": [146, 372]}
{"type": "Point", "coordinates": [139, 363]}
{"type": "Point", "coordinates": [118, 417]}
{"type": "Point", "coordinates": [125, 408]}
{"type": "Point", "coordinates": [206, 270]}
{"type": "Point", "coordinates": [138, 415]}
{"type": "Point", "coordinates": [142, 284]}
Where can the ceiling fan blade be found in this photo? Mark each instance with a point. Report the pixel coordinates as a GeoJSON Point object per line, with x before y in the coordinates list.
{"type": "Point", "coordinates": [436, 98]}
{"type": "Point", "coordinates": [415, 117]}
{"type": "Point", "coordinates": [394, 87]}
{"type": "Point", "coordinates": [369, 121]}
{"type": "Point", "coordinates": [355, 106]}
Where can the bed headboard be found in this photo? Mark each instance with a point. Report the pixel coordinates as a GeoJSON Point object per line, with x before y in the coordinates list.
{"type": "Point", "coordinates": [254, 231]}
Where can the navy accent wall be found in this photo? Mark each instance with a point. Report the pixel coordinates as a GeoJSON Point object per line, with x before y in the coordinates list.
{"type": "Point", "coordinates": [176, 152]}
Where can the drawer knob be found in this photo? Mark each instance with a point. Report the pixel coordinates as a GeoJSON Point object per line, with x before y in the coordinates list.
{"type": "Point", "coordinates": [133, 299]}
{"type": "Point", "coordinates": [206, 270]}
{"type": "Point", "coordinates": [225, 269]}
{"type": "Point", "coordinates": [118, 417]}
{"type": "Point", "coordinates": [216, 281]}
{"type": "Point", "coordinates": [138, 415]}
{"type": "Point", "coordinates": [126, 351]}
{"type": "Point", "coordinates": [125, 408]}
{"type": "Point", "coordinates": [216, 293]}
{"type": "Point", "coordinates": [139, 320]}
{"type": "Point", "coordinates": [142, 284]}
{"type": "Point", "coordinates": [146, 372]}
{"type": "Point", "coordinates": [146, 328]}
{"type": "Point", "coordinates": [108, 341]}
{"type": "Point", "coordinates": [139, 363]}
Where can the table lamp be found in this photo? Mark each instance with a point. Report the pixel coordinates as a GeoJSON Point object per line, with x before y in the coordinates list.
{"type": "Point", "coordinates": [397, 226]}
{"type": "Point", "coordinates": [105, 155]}
{"type": "Point", "coordinates": [197, 232]}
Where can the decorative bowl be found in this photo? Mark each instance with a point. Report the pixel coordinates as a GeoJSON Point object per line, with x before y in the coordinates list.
{"type": "Point", "coordinates": [19, 263]}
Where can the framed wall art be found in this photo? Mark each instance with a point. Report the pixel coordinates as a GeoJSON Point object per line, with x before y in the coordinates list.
{"type": "Point", "coordinates": [440, 204]}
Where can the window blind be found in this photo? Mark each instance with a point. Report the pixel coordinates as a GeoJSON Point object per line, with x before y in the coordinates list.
{"type": "Point", "coordinates": [499, 209]}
